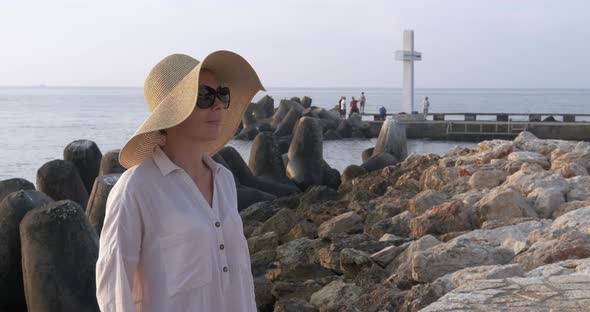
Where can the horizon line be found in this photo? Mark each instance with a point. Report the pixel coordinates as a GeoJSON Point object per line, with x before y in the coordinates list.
{"type": "Point", "coordinates": [286, 87]}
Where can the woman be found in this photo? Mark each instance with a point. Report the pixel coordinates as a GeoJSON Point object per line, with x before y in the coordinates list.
{"type": "Point", "coordinates": [172, 238]}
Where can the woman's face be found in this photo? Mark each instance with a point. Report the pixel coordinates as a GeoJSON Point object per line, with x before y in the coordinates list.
{"type": "Point", "coordinates": [202, 125]}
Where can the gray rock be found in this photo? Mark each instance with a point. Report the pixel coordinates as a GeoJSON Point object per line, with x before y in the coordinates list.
{"type": "Point", "coordinates": [485, 272]}
{"type": "Point", "coordinates": [569, 245]}
{"type": "Point", "coordinates": [557, 293]}
{"type": "Point", "coordinates": [392, 140]}
{"type": "Point", "coordinates": [281, 223]}
{"type": "Point", "coordinates": [60, 180]}
{"type": "Point", "coordinates": [516, 159]}
{"type": "Point", "coordinates": [59, 252]}
{"type": "Point", "coordinates": [12, 210]}
{"type": "Point", "coordinates": [579, 188]}
{"type": "Point", "coordinates": [351, 172]}
{"type": "Point", "coordinates": [349, 223]}
{"type": "Point", "coordinates": [306, 166]}
{"type": "Point", "coordinates": [387, 254]}
{"type": "Point", "coordinates": [457, 254]}
{"type": "Point", "coordinates": [285, 127]}
{"type": "Point", "coordinates": [12, 185]}
{"type": "Point", "coordinates": [401, 266]}
{"type": "Point", "coordinates": [546, 201]}
{"type": "Point", "coordinates": [487, 179]}
{"type": "Point", "coordinates": [265, 158]}
{"type": "Point", "coordinates": [425, 200]}
{"type": "Point", "coordinates": [503, 204]}
{"type": "Point", "coordinates": [398, 225]}
{"type": "Point", "coordinates": [260, 211]}
{"type": "Point", "coordinates": [266, 241]}
{"type": "Point", "coordinates": [294, 305]}
{"type": "Point", "coordinates": [95, 211]}
{"type": "Point", "coordinates": [453, 216]}
{"type": "Point", "coordinates": [298, 260]}
{"type": "Point", "coordinates": [336, 296]}
{"type": "Point", "coordinates": [379, 161]}
{"type": "Point", "coordinates": [86, 156]}
{"type": "Point", "coordinates": [109, 163]}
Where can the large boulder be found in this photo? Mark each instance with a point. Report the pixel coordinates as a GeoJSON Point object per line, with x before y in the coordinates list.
{"type": "Point", "coordinates": [12, 210]}
{"type": "Point", "coordinates": [236, 164]}
{"type": "Point", "coordinates": [398, 225]}
{"type": "Point", "coordinates": [528, 178]}
{"type": "Point", "coordinates": [86, 156]}
{"type": "Point", "coordinates": [503, 204]}
{"type": "Point", "coordinates": [453, 216]}
{"type": "Point", "coordinates": [98, 200]}
{"type": "Point", "coordinates": [517, 159]}
{"type": "Point", "coordinates": [546, 201]}
{"type": "Point", "coordinates": [281, 112]}
{"type": "Point", "coordinates": [487, 179]}
{"type": "Point", "coordinates": [265, 158]}
{"type": "Point", "coordinates": [349, 223]}
{"type": "Point", "coordinates": [579, 188]}
{"type": "Point", "coordinates": [264, 108]}
{"type": "Point", "coordinates": [285, 127]}
{"type": "Point", "coordinates": [109, 163]}
{"type": "Point", "coordinates": [60, 180]}
{"type": "Point", "coordinates": [392, 139]}
{"type": "Point", "coordinates": [436, 178]}
{"type": "Point", "coordinates": [569, 245]}
{"type": "Point", "coordinates": [336, 296]}
{"type": "Point", "coordinates": [298, 260]}
{"type": "Point", "coordinates": [379, 161]}
{"type": "Point", "coordinates": [306, 166]}
{"type": "Point", "coordinates": [457, 254]}
{"type": "Point", "coordinates": [59, 252]}
{"type": "Point", "coordinates": [425, 200]}
{"type": "Point", "coordinates": [401, 266]}
{"type": "Point", "coordinates": [12, 185]}
{"type": "Point", "coordinates": [281, 224]}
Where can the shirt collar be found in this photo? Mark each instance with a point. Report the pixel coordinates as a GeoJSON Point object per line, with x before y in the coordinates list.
{"type": "Point", "coordinates": [166, 165]}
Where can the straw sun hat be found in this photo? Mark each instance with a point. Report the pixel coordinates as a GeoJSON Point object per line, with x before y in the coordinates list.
{"type": "Point", "coordinates": [171, 90]}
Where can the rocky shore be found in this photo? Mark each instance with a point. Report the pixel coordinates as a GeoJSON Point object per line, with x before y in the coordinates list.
{"type": "Point", "coordinates": [505, 226]}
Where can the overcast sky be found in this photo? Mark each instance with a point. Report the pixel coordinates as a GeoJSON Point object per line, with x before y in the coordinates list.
{"type": "Point", "coordinates": [301, 43]}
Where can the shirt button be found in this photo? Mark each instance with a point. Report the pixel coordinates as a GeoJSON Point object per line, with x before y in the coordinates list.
{"type": "Point", "coordinates": [217, 224]}
{"type": "Point", "coordinates": [221, 246]}
{"type": "Point", "coordinates": [225, 269]}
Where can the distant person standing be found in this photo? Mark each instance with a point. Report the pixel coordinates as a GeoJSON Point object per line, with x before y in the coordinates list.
{"type": "Point", "coordinates": [425, 107]}
{"type": "Point", "coordinates": [362, 101]}
{"type": "Point", "coordinates": [342, 105]}
{"type": "Point", "coordinates": [382, 113]}
{"type": "Point", "coordinates": [353, 106]}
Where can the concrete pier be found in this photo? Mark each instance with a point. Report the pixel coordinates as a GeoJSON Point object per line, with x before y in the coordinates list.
{"type": "Point", "coordinates": [494, 126]}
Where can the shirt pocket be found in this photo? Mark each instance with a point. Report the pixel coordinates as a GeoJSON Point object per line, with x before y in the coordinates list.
{"type": "Point", "coordinates": [186, 260]}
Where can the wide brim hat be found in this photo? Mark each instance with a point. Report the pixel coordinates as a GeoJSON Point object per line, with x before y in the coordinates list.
{"type": "Point", "coordinates": [171, 91]}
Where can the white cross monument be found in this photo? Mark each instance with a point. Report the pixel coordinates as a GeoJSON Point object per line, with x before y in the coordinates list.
{"type": "Point", "coordinates": [408, 56]}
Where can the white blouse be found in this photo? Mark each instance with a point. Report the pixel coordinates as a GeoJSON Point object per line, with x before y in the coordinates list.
{"type": "Point", "coordinates": [163, 248]}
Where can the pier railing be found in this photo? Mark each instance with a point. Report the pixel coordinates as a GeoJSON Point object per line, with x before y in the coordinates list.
{"type": "Point", "coordinates": [499, 117]}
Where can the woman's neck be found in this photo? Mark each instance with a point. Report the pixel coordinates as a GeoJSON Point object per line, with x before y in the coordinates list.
{"type": "Point", "coordinates": [187, 154]}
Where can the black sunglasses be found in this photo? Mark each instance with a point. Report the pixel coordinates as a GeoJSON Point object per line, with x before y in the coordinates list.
{"type": "Point", "coordinates": [207, 95]}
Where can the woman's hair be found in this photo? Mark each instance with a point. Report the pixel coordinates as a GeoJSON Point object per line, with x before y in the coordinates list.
{"type": "Point", "coordinates": [163, 132]}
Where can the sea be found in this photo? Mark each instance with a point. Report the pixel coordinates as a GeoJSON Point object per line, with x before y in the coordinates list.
{"type": "Point", "coordinates": [36, 123]}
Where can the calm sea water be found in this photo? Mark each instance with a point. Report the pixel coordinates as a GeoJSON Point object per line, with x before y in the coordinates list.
{"type": "Point", "coordinates": [37, 123]}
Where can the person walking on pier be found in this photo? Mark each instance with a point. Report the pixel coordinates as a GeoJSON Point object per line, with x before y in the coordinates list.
{"type": "Point", "coordinates": [425, 107]}
{"type": "Point", "coordinates": [353, 106]}
{"type": "Point", "coordinates": [342, 106]}
{"type": "Point", "coordinates": [362, 101]}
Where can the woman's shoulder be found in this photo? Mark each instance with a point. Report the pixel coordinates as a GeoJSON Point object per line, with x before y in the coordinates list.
{"type": "Point", "coordinates": [135, 177]}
